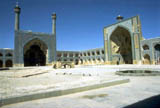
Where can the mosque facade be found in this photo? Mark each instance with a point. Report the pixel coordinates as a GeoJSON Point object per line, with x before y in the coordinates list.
{"type": "Point", "coordinates": [123, 44]}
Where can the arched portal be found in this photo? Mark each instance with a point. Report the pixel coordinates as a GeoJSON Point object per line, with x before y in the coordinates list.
{"type": "Point", "coordinates": [35, 53]}
{"type": "Point", "coordinates": [146, 59]}
{"type": "Point", "coordinates": [1, 63]}
{"type": "Point", "coordinates": [9, 63]}
{"type": "Point", "coordinates": [121, 47]}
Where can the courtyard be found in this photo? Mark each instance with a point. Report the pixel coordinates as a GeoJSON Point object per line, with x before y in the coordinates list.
{"type": "Point", "coordinates": [30, 80]}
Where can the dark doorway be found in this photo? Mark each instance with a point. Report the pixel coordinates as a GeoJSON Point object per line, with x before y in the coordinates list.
{"type": "Point", "coordinates": [157, 53]}
{"type": "Point", "coordinates": [9, 63]}
{"type": "Point", "coordinates": [34, 57]}
{"type": "Point", "coordinates": [76, 62]}
{"type": "Point", "coordinates": [1, 64]}
{"type": "Point", "coordinates": [157, 47]}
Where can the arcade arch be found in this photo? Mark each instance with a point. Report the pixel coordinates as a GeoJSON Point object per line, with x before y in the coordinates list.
{"type": "Point", "coordinates": [147, 59]}
{"type": "Point", "coordinates": [145, 47]}
{"type": "Point", "coordinates": [9, 63]}
{"type": "Point", "coordinates": [157, 53]}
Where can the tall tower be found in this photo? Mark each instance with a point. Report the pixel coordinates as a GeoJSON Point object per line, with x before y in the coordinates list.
{"type": "Point", "coordinates": [17, 10]}
{"type": "Point", "coordinates": [54, 24]}
{"type": "Point", "coordinates": [54, 33]}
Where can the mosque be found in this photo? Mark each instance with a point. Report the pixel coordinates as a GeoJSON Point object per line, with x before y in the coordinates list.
{"type": "Point", "coordinates": [123, 44]}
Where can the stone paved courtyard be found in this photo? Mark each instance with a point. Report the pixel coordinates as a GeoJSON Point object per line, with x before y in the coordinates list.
{"type": "Point", "coordinates": [44, 78]}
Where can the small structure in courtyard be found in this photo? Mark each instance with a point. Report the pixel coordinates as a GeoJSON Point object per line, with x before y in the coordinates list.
{"type": "Point", "coordinates": [63, 65]}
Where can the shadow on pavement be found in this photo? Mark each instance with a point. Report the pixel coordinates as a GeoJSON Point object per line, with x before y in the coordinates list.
{"type": "Point", "coordinates": [152, 102]}
{"type": "Point", "coordinates": [4, 69]}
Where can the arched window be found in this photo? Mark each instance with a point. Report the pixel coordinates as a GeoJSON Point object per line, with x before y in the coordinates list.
{"type": "Point", "coordinates": [59, 55]}
{"type": "Point", "coordinates": [71, 55]}
{"type": "Point", "coordinates": [145, 47]}
{"type": "Point", "coordinates": [65, 54]}
{"type": "Point", "coordinates": [102, 51]}
{"type": "Point", "coordinates": [88, 53]}
{"type": "Point", "coordinates": [98, 53]}
{"type": "Point", "coordinates": [93, 53]}
{"type": "Point", "coordinates": [77, 54]}
{"type": "Point", "coordinates": [9, 55]}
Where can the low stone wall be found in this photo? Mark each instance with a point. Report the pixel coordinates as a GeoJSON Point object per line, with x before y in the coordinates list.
{"type": "Point", "coordinates": [66, 64]}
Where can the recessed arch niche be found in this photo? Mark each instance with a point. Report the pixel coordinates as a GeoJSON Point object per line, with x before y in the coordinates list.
{"type": "Point", "coordinates": [35, 53]}
{"type": "Point", "coordinates": [121, 47]}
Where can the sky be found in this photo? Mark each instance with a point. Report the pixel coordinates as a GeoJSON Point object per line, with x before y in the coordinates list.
{"type": "Point", "coordinates": [80, 23]}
